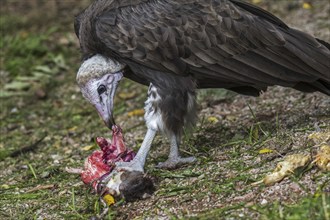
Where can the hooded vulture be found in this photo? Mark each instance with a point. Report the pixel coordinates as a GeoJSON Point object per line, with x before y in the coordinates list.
{"type": "Point", "coordinates": [176, 47]}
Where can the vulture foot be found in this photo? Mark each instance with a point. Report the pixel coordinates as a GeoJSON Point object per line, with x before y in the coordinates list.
{"type": "Point", "coordinates": [172, 163]}
{"type": "Point", "coordinates": [133, 165]}
{"type": "Point", "coordinates": [174, 160]}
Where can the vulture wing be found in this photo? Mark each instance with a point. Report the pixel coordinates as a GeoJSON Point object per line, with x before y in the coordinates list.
{"type": "Point", "coordinates": [222, 43]}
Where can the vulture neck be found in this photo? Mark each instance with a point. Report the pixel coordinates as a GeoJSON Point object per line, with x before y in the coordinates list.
{"type": "Point", "coordinates": [96, 67]}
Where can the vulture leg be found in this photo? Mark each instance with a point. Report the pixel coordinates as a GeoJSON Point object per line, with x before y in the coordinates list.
{"type": "Point", "coordinates": [137, 164]}
{"type": "Point", "coordinates": [174, 159]}
{"type": "Point", "coordinates": [167, 110]}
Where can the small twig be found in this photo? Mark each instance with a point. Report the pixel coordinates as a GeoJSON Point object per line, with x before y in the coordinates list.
{"type": "Point", "coordinates": [41, 187]}
{"type": "Point", "coordinates": [73, 170]}
{"type": "Point", "coordinates": [257, 183]}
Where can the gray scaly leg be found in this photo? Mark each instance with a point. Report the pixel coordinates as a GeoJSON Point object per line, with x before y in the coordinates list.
{"type": "Point", "coordinates": [174, 160]}
{"type": "Point", "coordinates": [138, 162]}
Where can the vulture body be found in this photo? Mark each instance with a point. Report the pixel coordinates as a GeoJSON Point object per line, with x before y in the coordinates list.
{"type": "Point", "coordinates": [179, 46]}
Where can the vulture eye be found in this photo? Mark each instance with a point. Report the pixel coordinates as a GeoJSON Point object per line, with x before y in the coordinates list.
{"type": "Point", "coordinates": [101, 89]}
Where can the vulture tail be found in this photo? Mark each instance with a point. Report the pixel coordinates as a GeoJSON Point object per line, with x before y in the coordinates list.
{"type": "Point", "coordinates": [316, 54]}
{"type": "Point", "coordinates": [305, 55]}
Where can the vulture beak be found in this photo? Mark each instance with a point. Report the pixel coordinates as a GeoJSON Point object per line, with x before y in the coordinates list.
{"type": "Point", "coordinates": [105, 112]}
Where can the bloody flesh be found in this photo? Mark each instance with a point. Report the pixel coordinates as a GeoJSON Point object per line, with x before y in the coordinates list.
{"type": "Point", "coordinates": [102, 162]}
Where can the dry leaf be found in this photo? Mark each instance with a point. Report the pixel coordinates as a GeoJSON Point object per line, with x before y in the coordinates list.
{"type": "Point", "coordinates": [88, 147]}
{"type": "Point", "coordinates": [136, 112]}
{"type": "Point", "coordinates": [319, 137]}
{"type": "Point", "coordinates": [265, 151]}
{"type": "Point", "coordinates": [322, 159]}
{"type": "Point", "coordinates": [307, 5]}
{"type": "Point", "coordinates": [286, 168]}
{"type": "Point", "coordinates": [212, 119]}
{"type": "Point", "coordinates": [74, 128]}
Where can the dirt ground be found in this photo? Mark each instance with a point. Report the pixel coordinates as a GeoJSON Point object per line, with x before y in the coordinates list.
{"type": "Point", "coordinates": [47, 126]}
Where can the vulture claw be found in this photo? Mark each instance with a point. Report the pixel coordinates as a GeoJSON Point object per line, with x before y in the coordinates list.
{"type": "Point", "coordinates": [172, 163]}
{"type": "Point", "coordinates": [133, 165]}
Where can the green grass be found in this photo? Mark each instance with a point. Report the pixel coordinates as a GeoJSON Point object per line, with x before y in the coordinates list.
{"type": "Point", "coordinates": [311, 207]}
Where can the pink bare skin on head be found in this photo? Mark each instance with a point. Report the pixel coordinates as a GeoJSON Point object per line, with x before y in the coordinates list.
{"type": "Point", "coordinates": [102, 162]}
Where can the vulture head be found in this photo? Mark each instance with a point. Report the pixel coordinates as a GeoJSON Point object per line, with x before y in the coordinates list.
{"type": "Point", "coordinates": [98, 78]}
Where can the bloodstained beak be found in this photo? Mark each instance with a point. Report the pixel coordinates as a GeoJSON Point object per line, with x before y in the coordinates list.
{"type": "Point", "coordinates": [110, 122]}
{"type": "Point", "coordinates": [105, 113]}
